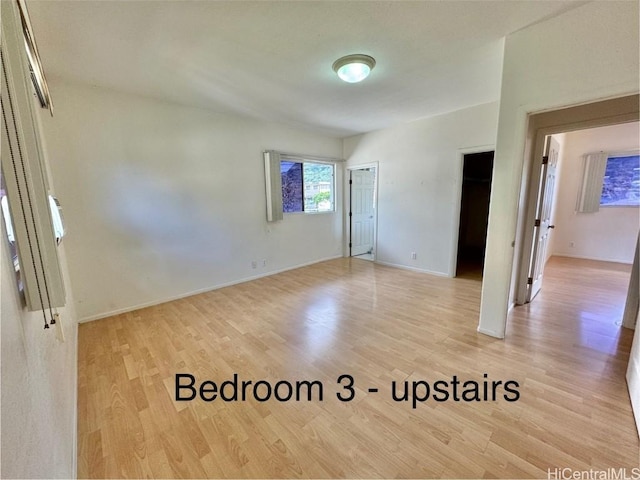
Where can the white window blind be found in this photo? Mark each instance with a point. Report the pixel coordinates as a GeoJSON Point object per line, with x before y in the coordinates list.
{"type": "Point", "coordinates": [24, 174]}
{"type": "Point", "coordinates": [273, 186]}
{"type": "Point", "coordinates": [590, 192]}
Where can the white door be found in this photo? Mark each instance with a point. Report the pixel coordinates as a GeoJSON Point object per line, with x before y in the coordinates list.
{"type": "Point", "coordinates": [362, 183]}
{"type": "Point", "coordinates": [543, 224]}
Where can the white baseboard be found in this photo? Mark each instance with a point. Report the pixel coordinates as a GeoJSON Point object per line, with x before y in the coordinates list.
{"type": "Point", "coordinates": [413, 269]}
{"type": "Point", "coordinates": [199, 291]}
{"type": "Point", "coordinates": [597, 259]}
{"type": "Point", "coordinates": [490, 333]}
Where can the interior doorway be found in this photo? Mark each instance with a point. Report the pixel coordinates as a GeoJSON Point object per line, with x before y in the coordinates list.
{"type": "Point", "coordinates": [582, 211]}
{"type": "Point", "coordinates": [540, 125]}
{"type": "Point", "coordinates": [529, 265]}
{"type": "Point", "coordinates": [477, 173]}
{"type": "Point", "coordinates": [362, 211]}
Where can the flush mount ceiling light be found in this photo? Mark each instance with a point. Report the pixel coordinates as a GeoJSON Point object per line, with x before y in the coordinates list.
{"type": "Point", "coordinates": [354, 68]}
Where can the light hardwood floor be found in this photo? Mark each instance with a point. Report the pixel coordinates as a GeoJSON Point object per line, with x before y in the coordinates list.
{"type": "Point", "coordinates": [377, 324]}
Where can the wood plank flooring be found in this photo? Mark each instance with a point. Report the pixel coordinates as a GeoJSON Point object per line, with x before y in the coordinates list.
{"type": "Point", "coordinates": [378, 324]}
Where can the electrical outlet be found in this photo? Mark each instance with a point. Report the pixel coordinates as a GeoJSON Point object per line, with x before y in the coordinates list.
{"type": "Point", "coordinates": [264, 262]}
{"type": "Point", "coordinates": [413, 255]}
{"type": "Point", "coordinates": [572, 244]}
{"type": "Point", "coordinates": [254, 264]}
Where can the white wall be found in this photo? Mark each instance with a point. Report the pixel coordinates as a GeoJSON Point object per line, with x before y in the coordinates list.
{"type": "Point", "coordinates": [585, 54]}
{"type": "Point", "coordinates": [162, 200]}
{"type": "Point", "coordinates": [38, 395]}
{"type": "Point", "coordinates": [420, 165]}
{"type": "Point", "coordinates": [609, 234]}
{"type": "Point", "coordinates": [633, 374]}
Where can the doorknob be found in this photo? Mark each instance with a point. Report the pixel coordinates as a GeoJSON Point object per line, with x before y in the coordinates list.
{"type": "Point", "coordinates": [552, 226]}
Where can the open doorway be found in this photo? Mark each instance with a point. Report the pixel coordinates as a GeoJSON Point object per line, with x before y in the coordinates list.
{"type": "Point", "coordinates": [596, 320]}
{"type": "Point", "coordinates": [597, 211]}
{"type": "Point", "coordinates": [477, 174]}
{"type": "Point", "coordinates": [606, 233]}
{"type": "Point", "coordinates": [362, 211]}
{"type": "Point", "coordinates": [593, 206]}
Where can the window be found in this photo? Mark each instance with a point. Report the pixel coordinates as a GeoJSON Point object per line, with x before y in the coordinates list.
{"type": "Point", "coordinates": [8, 224]}
{"type": "Point", "coordinates": [298, 184]}
{"type": "Point", "coordinates": [621, 185]}
{"type": "Point", "coordinates": [307, 186]}
{"type": "Point", "coordinates": [24, 177]}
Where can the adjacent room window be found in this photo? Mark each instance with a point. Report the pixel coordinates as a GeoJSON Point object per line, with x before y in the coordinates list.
{"type": "Point", "coordinates": [621, 184]}
{"type": "Point", "coordinates": [307, 187]}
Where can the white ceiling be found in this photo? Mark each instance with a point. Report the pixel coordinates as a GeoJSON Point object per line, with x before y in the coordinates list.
{"type": "Point", "coordinates": [272, 59]}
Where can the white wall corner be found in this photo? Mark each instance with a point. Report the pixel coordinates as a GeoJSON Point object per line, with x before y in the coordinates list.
{"type": "Point", "coordinates": [491, 333]}
{"type": "Point", "coordinates": [633, 375]}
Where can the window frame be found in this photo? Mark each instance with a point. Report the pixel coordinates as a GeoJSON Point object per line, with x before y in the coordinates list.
{"type": "Point", "coordinates": [611, 155]}
{"type": "Point", "coordinates": [315, 161]}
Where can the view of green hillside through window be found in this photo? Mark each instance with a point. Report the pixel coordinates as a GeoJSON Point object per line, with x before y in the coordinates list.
{"type": "Point", "coordinates": [318, 187]}
{"type": "Point", "coordinates": [307, 187]}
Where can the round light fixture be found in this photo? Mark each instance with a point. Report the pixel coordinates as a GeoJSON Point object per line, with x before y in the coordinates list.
{"type": "Point", "coordinates": [354, 68]}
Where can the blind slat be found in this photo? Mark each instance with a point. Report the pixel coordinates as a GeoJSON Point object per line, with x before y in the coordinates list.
{"type": "Point", "coordinates": [273, 184]}
{"type": "Point", "coordinates": [595, 165]}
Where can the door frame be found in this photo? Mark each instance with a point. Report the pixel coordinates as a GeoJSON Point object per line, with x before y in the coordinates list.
{"type": "Point", "coordinates": [540, 125]}
{"type": "Point", "coordinates": [459, 175]}
{"type": "Point", "coordinates": [347, 206]}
